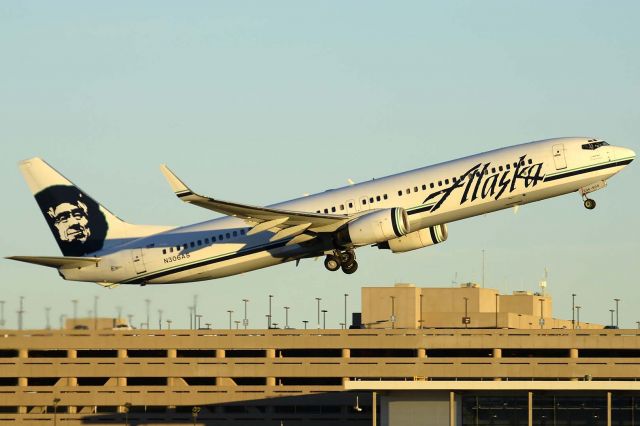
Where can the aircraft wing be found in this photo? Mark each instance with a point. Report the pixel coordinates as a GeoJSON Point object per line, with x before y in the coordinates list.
{"type": "Point", "coordinates": [263, 217]}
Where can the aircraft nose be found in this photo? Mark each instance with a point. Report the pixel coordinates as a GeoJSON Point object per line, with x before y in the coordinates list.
{"type": "Point", "coordinates": [626, 153]}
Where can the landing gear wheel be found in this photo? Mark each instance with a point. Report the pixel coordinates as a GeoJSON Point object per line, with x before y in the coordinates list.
{"type": "Point", "coordinates": [331, 263]}
{"type": "Point", "coordinates": [347, 257]}
{"type": "Point", "coordinates": [590, 204]}
{"type": "Point", "coordinates": [350, 268]}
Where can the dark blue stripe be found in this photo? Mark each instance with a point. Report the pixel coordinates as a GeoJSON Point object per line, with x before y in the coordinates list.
{"type": "Point", "coordinates": [420, 210]}
{"type": "Point", "coordinates": [587, 170]}
{"type": "Point", "coordinates": [205, 262]}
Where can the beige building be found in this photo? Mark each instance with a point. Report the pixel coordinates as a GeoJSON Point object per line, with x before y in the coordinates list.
{"type": "Point", "coordinates": [467, 306]}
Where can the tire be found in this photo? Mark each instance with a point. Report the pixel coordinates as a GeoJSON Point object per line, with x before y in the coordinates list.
{"type": "Point", "coordinates": [590, 204]}
{"type": "Point", "coordinates": [331, 263]}
{"type": "Point", "coordinates": [350, 268]}
{"type": "Point", "coordinates": [347, 257]}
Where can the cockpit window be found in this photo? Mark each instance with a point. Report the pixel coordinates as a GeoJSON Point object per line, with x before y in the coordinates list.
{"type": "Point", "coordinates": [594, 144]}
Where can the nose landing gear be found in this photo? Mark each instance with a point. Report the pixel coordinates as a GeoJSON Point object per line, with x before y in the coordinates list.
{"type": "Point", "coordinates": [345, 260]}
{"type": "Point", "coordinates": [589, 203]}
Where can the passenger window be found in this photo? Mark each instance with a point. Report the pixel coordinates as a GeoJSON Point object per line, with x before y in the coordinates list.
{"type": "Point", "coordinates": [378, 198]}
{"type": "Point", "coordinates": [341, 207]}
{"type": "Point", "coordinates": [333, 209]}
{"type": "Point", "coordinates": [206, 240]}
{"type": "Point", "coordinates": [439, 183]}
{"type": "Point", "coordinates": [213, 239]}
{"type": "Point", "coordinates": [508, 166]}
{"type": "Point", "coordinates": [408, 191]}
{"type": "Point", "coordinates": [515, 165]}
{"type": "Point", "coordinates": [454, 179]}
{"type": "Point", "coordinates": [371, 200]}
{"type": "Point", "coordinates": [500, 168]}
{"type": "Point", "coordinates": [177, 248]}
{"type": "Point", "coordinates": [530, 161]}
{"type": "Point", "coordinates": [317, 211]}
{"type": "Point", "coordinates": [199, 242]}
{"type": "Point", "coordinates": [522, 163]}
{"type": "Point", "coordinates": [446, 181]}
{"type": "Point", "coordinates": [228, 235]}
{"type": "Point", "coordinates": [350, 205]}
{"type": "Point", "coordinates": [242, 232]}
{"type": "Point", "coordinates": [221, 237]}
{"type": "Point", "coordinates": [185, 246]}
{"type": "Point", "coordinates": [364, 201]}
{"type": "Point", "coordinates": [385, 197]}
{"type": "Point", "coordinates": [493, 170]}
{"type": "Point", "coordinates": [431, 185]}
{"type": "Point", "coordinates": [235, 233]}
{"type": "Point", "coordinates": [424, 187]}
{"type": "Point", "coordinates": [164, 251]}
{"type": "Point", "coordinates": [192, 244]}
{"type": "Point", "coordinates": [400, 193]}
{"type": "Point", "coordinates": [326, 210]}
{"type": "Point", "coordinates": [486, 172]}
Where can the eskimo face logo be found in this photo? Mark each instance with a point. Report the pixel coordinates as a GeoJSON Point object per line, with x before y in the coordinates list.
{"type": "Point", "coordinates": [74, 218]}
{"type": "Point", "coordinates": [483, 181]}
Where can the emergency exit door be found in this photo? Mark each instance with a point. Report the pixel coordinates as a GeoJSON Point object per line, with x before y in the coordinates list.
{"type": "Point", "coordinates": [138, 262]}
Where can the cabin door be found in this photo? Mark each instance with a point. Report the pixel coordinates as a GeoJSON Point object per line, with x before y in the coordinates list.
{"type": "Point", "coordinates": [138, 262]}
{"type": "Point", "coordinates": [558, 157]}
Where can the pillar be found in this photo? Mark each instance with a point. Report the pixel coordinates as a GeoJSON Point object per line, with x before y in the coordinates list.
{"type": "Point", "coordinates": [497, 353]}
{"type": "Point", "coordinates": [530, 408]}
{"type": "Point", "coordinates": [271, 354]}
{"type": "Point", "coordinates": [422, 353]}
{"type": "Point", "coordinates": [122, 353]}
{"type": "Point", "coordinates": [374, 409]}
{"type": "Point", "coordinates": [22, 381]}
{"type": "Point", "coordinates": [609, 408]}
{"type": "Point", "coordinates": [452, 409]}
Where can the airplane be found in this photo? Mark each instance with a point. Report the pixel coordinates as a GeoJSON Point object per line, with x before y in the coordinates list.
{"type": "Point", "coordinates": [399, 213]}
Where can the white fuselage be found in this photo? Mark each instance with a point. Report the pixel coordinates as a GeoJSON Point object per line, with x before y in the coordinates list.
{"type": "Point", "coordinates": [432, 195]}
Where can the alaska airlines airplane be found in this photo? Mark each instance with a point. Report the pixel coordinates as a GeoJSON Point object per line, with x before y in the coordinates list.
{"type": "Point", "coordinates": [400, 213]}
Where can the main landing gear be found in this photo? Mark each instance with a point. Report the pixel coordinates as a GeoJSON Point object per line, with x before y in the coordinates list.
{"type": "Point", "coordinates": [345, 260]}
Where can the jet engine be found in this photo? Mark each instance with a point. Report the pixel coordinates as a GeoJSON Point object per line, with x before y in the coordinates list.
{"type": "Point", "coordinates": [375, 227]}
{"type": "Point", "coordinates": [417, 239]}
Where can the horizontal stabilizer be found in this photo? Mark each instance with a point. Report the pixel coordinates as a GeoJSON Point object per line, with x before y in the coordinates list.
{"type": "Point", "coordinates": [57, 262]}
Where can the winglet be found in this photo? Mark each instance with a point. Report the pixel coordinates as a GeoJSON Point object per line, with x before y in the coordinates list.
{"type": "Point", "coordinates": [176, 184]}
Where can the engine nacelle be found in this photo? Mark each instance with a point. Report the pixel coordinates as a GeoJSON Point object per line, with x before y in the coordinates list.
{"type": "Point", "coordinates": [418, 239]}
{"type": "Point", "coordinates": [375, 227]}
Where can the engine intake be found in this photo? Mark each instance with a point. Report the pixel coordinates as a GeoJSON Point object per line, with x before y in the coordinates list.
{"type": "Point", "coordinates": [375, 227]}
{"type": "Point", "coordinates": [417, 239]}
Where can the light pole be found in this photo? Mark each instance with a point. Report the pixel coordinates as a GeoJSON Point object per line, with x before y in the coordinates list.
{"type": "Point", "coordinates": [318, 299]}
{"type": "Point", "coordinates": [541, 313]}
{"type": "Point", "coordinates": [245, 321]}
{"type": "Point", "coordinates": [198, 317]}
{"type": "Point", "coordinates": [192, 322]}
{"type": "Point", "coordinates": [286, 317]}
{"type": "Point", "coordinates": [195, 310]}
{"type": "Point", "coordinates": [62, 318]}
{"type": "Point", "coordinates": [573, 310]}
{"type": "Point", "coordinates": [345, 309]}
{"type": "Point", "coordinates": [466, 312]}
{"type": "Point", "coordinates": [421, 321]}
{"type": "Point", "coordinates": [20, 312]}
{"type": "Point", "coordinates": [130, 317]}
{"type": "Point", "coordinates": [2, 313]}
{"type": "Point", "coordinates": [578, 316]}
{"type": "Point", "coordinates": [95, 313]}
{"type": "Point", "coordinates": [230, 321]}
{"type": "Point", "coordinates": [159, 319]}
{"type": "Point", "coordinates": [393, 312]}
{"type": "Point", "coordinates": [270, 298]}
{"type": "Point", "coordinates": [75, 311]}
{"type": "Point", "coordinates": [169, 324]}
{"type": "Point", "coordinates": [497, 296]}
{"type": "Point", "coordinates": [638, 323]}
{"type": "Point", "coordinates": [148, 303]}
{"type": "Point", "coordinates": [324, 319]}
{"type": "Point", "coordinates": [268, 321]}
{"type": "Point", "coordinates": [47, 313]}
{"type": "Point", "coordinates": [237, 324]}
{"type": "Point", "coordinates": [612, 311]}
{"type": "Point", "coordinates": [617, 313]}
{"type": "Point", "coordinates": [305, 323]}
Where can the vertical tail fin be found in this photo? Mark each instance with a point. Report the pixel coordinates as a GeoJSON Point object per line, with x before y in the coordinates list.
{"type": "Point", "coordinates": [79, 224]}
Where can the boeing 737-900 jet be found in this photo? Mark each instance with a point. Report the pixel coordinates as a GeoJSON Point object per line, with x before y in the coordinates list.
{"type": "Point", "coordinates": [400, 213]}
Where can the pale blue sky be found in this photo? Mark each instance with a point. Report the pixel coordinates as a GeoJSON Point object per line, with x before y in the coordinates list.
{"type": "Point", "coordinates": [260, 102]}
